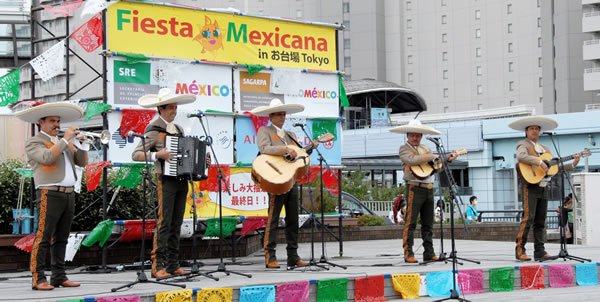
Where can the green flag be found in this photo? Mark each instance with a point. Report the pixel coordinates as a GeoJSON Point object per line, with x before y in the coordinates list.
{"type": "Point", "coordinates": [94, 108]}
{"type": "Point", "coordinates": [329, 290]}
{"type": "Point", "coordinates": [343, 96]}
{"type": "Point", "coordinates": [213, 230]}
{"type": "Point", "coordinates": [129, 175]}
{"type": "Point", "coordinates": [99, 234]}
{"type": "Point", "coordinates": [322, 126]}
{"type": "Point", "coordinates": [502, 279]}
{"type": "Point", "coordinates": [133, 58]}
{"type": "Point", "coordinates": [254, 69]}
{"type": "Point", "coordinates": [27, 173]}
{"type": "Point", "coordinates": [9, 88]}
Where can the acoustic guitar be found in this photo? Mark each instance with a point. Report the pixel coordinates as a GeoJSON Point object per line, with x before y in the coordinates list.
{"type": "Point", "coordinates": [277, 174]}
{"type": "Point", "coordinates": [427, 169]}
{"type": "Point", "coordinates": [534, 174]}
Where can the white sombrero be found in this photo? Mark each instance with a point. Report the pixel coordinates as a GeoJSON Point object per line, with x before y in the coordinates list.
{"type": "Point", "coordinates": [165, 97]}
{"type": "Point", "coordinates": [415, 126]}
{"type": "Point", "coordinates": [545, 123]}
{"type": "Point", "coordinates": [277, 105]}
{"type": "Point", "coordinates": [67, 112]}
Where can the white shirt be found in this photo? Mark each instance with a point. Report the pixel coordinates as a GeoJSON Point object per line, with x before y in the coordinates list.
{"type": "Point", "coordinates": [69, 179]}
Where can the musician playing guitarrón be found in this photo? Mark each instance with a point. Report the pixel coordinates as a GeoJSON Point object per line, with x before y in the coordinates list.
{"type": "Point", "coordinates": [274, 140]}
{"type": "Point", "coordinates": [419, 191]}
{"type": "Point", "coordinates": [535, 196]}
{"type": "Point", "coordinates": [172, 191]}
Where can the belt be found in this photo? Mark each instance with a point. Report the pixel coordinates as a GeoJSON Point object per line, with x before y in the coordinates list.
{"type": "Point", "coordinates": [58, 189]}
{"type": "Point", "coordinates": [420, 184]}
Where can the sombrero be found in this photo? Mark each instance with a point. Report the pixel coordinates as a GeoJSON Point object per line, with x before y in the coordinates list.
{"type": "Point", "coordinates": [165, 97]}
{"type": "Point", "coordinates": [67, 112]}
{"type": "Point", "coordinates": [277, 105]}
{"type": "Point", "coordinates": [545, 123]}
{"type": "Point", "coordinates": [415, 126]}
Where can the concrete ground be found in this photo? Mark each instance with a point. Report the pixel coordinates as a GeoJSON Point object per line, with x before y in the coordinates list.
{"type": "Point", "coordinates": [362, 258]}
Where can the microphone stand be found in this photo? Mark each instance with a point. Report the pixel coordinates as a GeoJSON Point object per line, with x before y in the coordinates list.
{"type": "Point", "coordinates": [220, 177]}
{"type": "Point", "coordinates": [453, 198]}
{"type": "Point", "coordinates": [563, 253]}
{"type": "Point", "coordinates": [322, 160]}
{"type": "Point", "coordinates": [141, 276]}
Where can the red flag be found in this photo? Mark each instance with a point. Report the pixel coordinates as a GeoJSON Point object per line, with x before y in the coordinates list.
{"type": "Point", "coordinates": [93, 173]}
{"type": "Point", "coordinates": [211, 183]}
{"type": "Point", "coordinates": [64, 9]}
{"type": "Point", "coordinates": [26, 243]}
{"type": "Point", "coordinates": [258, 121]}
{"type": "Point", "coordinates": [331, 182]}
{"type": "Point", "coordinates": [313, 172]}
{"type": "Point", "coordinates": [135, 120]}
{"type": "Point", "coordinates": [89, 35]}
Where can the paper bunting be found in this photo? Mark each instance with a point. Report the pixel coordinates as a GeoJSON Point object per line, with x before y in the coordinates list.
{"type": "Point", "coordinates": [94, 108]}
{"type": "Point", "coordinates": [213, 229]}
{"type": "Point", "coordinates": [423, 286]}
{"type": "Point", "coordinates": [9, 87]}
{"type": "Point", "coordinates": [252, 223]}
{"type": "Point", "coordinates": [257, 294]}
{"type": "Point", "coordinates": [313, 172]}
{"type": "Point", "coordinates": [439, 284]}
{"type": "Point", "coordinates": [329, 290]}
{"type": "Point", "coordinates": [93, 173]}
{"type": "Point", "coordinates": [50, 63]}
{"type": "Point", "coordinates": [407, 285]}
{"type": "Point", "coordinates": [212, 183]}
{"type": "Point", "coordinates": [135, 120]}
{"type": "Point", "coordinates": [280, 81]}
{"type": "Point", "coordinates": [182, 295]}
{"type": "Point", "coordinates": [532, 277]}
{"type": "Point", "coordinates": [27, 173]}
{"type": "Point", "coordinates": [92, 7]}
{"type": "Point", "coordinates": [73, 246]}
{"type": "Point", "coordinates": [470, 281]}
{"type": "Point", "coordinates": [89, 35]}
{"type": "Point", "coordinates": [26, 243]}
{"type": "Point", "coordinates": [119, 299]}
{"type": "Point", "coordinates": [133, 58]}
{"type": "Point", "coordinates": [560, 275]}
{"type": "Point", "coordinates": [99, 234]}
{"type": "Point", "coordinates": [369, 289]}
{"type": "Point", "coordinates": [186, 229]}
{"type": "Point", "coordinates": [322, 126]}
{"type": "Point", "coordinates": [258, 121]}
{"type": "Point", "coordinates": [331, 181]}
{"type": "Point", "coordinates": [586, 274]}
{"type": "Point", "coordinates": [214, 295]}
{"type": "Point", "coordinates": [253, 69]}
{"type": "Point", "coordinates": [133, 230]}
{"type": "Point", "coordinates": [293, 292]}
{"type": "Point", "coordinates": [64, 9]}
{"type": "Point", "coordinates": [343, 97]}
{"type": "Point", "coordinates": [502, 279]}
{"type": "Point", "coordinates": [129, 175]}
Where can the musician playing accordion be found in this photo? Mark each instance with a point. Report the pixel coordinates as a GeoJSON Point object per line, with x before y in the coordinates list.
{"type": "Point", "coordinates": [172, 190]}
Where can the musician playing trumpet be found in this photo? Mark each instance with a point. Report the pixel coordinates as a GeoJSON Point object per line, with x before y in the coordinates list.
{"type": "Point", "coordinates": [53, 162]}
{"type": "Point", "coordinates": [172, 191]}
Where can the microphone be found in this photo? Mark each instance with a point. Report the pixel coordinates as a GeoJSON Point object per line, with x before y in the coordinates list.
{"type": "Point", "coordinates": [549, 133]}
{"type": "Point", "coordinates": [199, 114]}
{"type": "Point", "coordinates": [133, 134]}
{"type": "Point", "coordinates": [299, 125]}
{"type": "Point", "coordinates": [434, 140]}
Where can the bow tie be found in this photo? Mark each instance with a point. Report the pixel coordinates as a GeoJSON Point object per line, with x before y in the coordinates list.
{"type": "Point", "coordinates": [172, 129]}
{"type": "Point", "coordinates": [54, 139]}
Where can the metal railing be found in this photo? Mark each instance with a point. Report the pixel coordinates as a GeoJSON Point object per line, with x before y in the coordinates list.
{"type": "Point", "coordinates": [515, 216]}
{"type": "Point", "coordinates": [382, 207]}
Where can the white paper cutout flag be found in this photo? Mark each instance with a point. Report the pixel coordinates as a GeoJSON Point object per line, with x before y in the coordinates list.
{"type": "Point", "coordinates": [73, 244]}
{"type": "Point", "coordinates": [92, 7]}
{"type": "Point", "coordinates": [285, 81]}
{"type": "Point", "coordinates": [51, 62]}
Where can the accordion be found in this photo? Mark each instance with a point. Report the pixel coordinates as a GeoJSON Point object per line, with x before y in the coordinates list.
{"type": "Point", "coordinates": [190, 158]}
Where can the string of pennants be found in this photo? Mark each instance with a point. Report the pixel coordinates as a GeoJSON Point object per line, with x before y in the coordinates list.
{"type": "Point", "coordinates": [371, 288]}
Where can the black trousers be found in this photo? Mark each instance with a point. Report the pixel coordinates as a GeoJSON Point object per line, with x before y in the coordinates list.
{"type": "Point", "coordinates": [419, 201]}
{"type": "Point", "coordinates": [288, 200]}
{"type": "Point", "coordinates": [535, 209]}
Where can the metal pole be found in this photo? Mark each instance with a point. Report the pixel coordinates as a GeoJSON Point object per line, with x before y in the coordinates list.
{"type": "Point", "coordinates": [104, 147]}
{"type": "Point", "coordinates": [341, 226]}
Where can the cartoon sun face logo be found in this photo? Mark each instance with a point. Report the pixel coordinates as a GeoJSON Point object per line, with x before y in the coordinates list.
{"type": "Point", "coordinates": [210, 35]}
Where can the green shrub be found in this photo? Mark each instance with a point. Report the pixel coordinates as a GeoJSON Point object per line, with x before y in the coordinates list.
{"type": "Point", "coordinates": [9, 186]}
{"type": "Point", "coordinates": [370, 220]}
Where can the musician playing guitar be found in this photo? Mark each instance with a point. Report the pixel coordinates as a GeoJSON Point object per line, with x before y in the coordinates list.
{"type": "Point", "coordinates": [535, 195]}
{"type": "Point", "coordinates": [172, 191]}
{"type": "Point", "coordinates": [418, 190]}
{"type": "Point", "coordinates": [274, 140]}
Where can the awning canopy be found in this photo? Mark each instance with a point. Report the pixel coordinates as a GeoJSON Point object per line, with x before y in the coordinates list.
{"type": "Point", "coordinates": [381, 94]}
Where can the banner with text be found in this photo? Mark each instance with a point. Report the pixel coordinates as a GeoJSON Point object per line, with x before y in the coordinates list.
{"type": "Point", "coordinates": [163, 31]}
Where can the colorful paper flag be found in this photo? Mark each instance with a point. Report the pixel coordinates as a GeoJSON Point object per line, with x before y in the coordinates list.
{"type": "Point", "coordinates": [407, 285]}
{"type": "Point", "coordinates": [99, 234]}
{"type": "Point", "coordinates": [264, 293]}
{"type": "Point", "coordinates": [135, 120]}
{"type": "Point", "coordinates": [50, 63]}
{"type": "Point", "coordinates": [129, 175]}
{"type": "Point", "coordinates": [92, 7]}
{"type": "Point", "coordinates": [343, 97]}
{"type": "Point", "coordinates": [212, 183]}
{"type": "Point", "coordinates": [64, 9]}
{"type": "Point", "coordinates": [133, 230]}
{"type": "Point", "coordinates": [94, 108]}
{"type": "Point", "coordinates": [258, 121]}
{"type": "Point", "coordinates": [89, 35]}
{"type": "Point", "coordinates": [133, 58]}
{"type": "Point", "coordinates": [332, 290]}
{"type": "Point", "coordinates": [439, 284]}
{"type": "Point", "coordinates": [26, 243]}
{"type": "Point", "coordinates": [93, 173]}
{"type": "Point", "coordinates": [560, 275]}
{"type": "Point", "coordinates": [9, 88]}
{"type": "Point", "coordinates": [470, 281]}
{"type": "Point", "coordinates": [213, 228]}
{"type": "Point", "coordinates": [502, 279]}
{"type": "Point", "coordinates": [252, 223]}
{"type": "Point", "coordinates": [369, 289]}
{"type": "Point", "coordinates": [73, 245]}
{"type": "Point", "coordinates": [532, 277]}
{"type": "Point", "coordinates": [586, 274]}
{"type": "Point", "coordinates": [313, 173]}
{"type": "Point", "coordinates": [323, 126]}
{"type": "Point", "coordinates": [330, 180]}
{"type": "Point", "coordinates": [215, 294]}
{"type": "Point", "coordinates": [253, 69]}
{"type": "Point", "coordinates": [181, 295]}
{"type": "Point", "coordinates": [293, 292]}
{"type": "Point", "coordinates": [119, 299]}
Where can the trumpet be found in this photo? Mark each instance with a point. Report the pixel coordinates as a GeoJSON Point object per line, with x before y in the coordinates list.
{"type": "Point", "coordinates": [103, 136]}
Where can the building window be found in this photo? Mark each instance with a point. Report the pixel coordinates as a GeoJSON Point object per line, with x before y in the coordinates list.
{"type": "Point", "coordinates": [408, 23]}
{"type": "Point", "coordinates": [479, 70]}
{"type": "Point", "coordinates": [540, 82]}
{"type": "Point", "coordinates": [347, 62]}
{"type": "Point", "coordinates": [479, 106]}
{"type": "Point", "coordinates": [444, 19]}
{"type": "Point", "coordinates": [446, 109]}
{"type": "Point", "coordinates": [538, 3]}
{"type": "Point", "coordinates": [477, 14]}
{"type": "Point", "coordinates": [445, 56]}
{"type": "Point", "coordinates": [346, 43]}
{"type": "Point", "coordinates": [408, 5]}
{"type": "Point", "coordinates": [509, 28]}
{"type": "Point", "coordinates": [511, 86]}
{"type": "Point", "coordinates": [541, 99]}
{"type": "Point", "coordinates": [409, 41]}
{"type": "Point", "coordinates": [511, 103]}
{"type": "Point", "coordinates": [477, 33]}
{"type": "Point", "coordinates": [445, 74]}
{"type": "Point", "coordinates": [445, 92]}
{"type": "Point", "coordinates": [346, 7]}
{"type": "Point", "coordinates": [539, 22]}
{"type": "Point", "coordinates": [539, 41]}
{"type": "Point", "coordinates": [347, 25]}
{"type": "Point", "coordinates": [410, 77]}
{"type": "Point", "coordinates": [409, 59]}
{"type": "Point", "coordinates": [444, 38]}
{"type": "Point", "coordinates": [509, 8]}
{"type": "Point", "coordinates": [510, 66]}
{"type": "Point", "coordinates": [479, 91]}
{"type": "Point", "coordinates": [510, 47]}
{"type": "Point", "coordinates": [298, 13]}
{"type": "Point", "coordinates": [539, 61]}
{"type": "Point", "coordinates": [443, 2]}
{"type": "Point", "coordinates": [478, 52]}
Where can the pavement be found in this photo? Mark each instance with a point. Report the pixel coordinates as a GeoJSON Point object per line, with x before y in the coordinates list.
{"type": "Point", "coordinates": [362, 258]}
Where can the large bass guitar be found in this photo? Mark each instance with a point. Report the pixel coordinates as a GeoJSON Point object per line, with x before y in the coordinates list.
{"type": "Point", "coordinates": [277, 174]}
{"type": "Point", "coordinates": [534, 174]}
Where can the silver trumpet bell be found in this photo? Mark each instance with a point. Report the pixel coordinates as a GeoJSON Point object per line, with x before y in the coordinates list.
{"type": "Point", "coordinates": [103, 136]}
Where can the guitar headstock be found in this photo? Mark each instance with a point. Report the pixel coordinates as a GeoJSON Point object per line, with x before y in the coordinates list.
{"type": "Point", "coordinates": [585, 153]}
{"type": "Point", "coordinates": [326, 137]}
{"type": "Point", "coordinates": [461, 151]}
